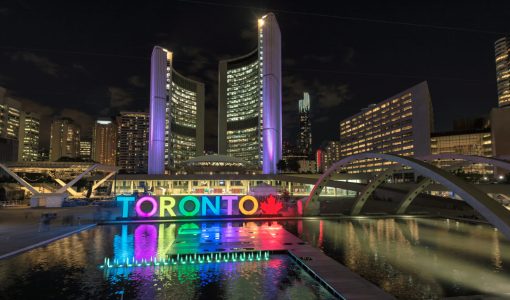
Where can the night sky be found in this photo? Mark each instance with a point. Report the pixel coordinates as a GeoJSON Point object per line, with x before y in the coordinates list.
{"type": "Point", "coordinates": [93, 59]}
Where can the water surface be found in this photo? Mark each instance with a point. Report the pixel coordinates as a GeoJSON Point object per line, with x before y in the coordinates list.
{"type": "Point", "coordinates": [416, 258]}
{"type": "Point", "coordinates": [68, 268]}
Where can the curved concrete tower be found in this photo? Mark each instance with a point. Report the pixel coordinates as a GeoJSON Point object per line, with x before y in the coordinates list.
{"type": "Point", "coordinates": [176, 132]}
{"type": "Point", "coordinates": [161, 63]}
{"type": "Point", "coordinates": [250, 102]}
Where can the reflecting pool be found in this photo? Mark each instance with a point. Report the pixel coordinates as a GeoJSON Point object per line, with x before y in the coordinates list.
{"type": "Point", "coordinates": [416, 258]}
{"type": "Point", "coordinates": [68, 268]}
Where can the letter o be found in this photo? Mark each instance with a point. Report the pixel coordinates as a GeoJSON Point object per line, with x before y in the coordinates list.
{"type": "Point", "coordinates": [138, 207]}
{"type": "Point", "coordinates": [253, 210]}
{"type": "Point", "coordinates": [183, 202]}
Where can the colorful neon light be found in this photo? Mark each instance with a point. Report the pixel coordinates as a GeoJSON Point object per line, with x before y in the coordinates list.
{"type": "Point", "coordinates": [271, 206]}
{"type": "Point", "coordinates": [138, 207]}
{"type": "Point", "coordinates": [183, 259]}
{"type": "Point", "coordinates": [125, 204]}
{"type": "Point", "coordinates": [194, 205]}
{"type": "Point", "coordinates": [182, 206]}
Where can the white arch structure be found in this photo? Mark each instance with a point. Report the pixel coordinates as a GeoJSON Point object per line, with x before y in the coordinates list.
{"type": "Point", "coordinates": [490, 209]}
{"type": "Point", "coordinates": [412, 194]}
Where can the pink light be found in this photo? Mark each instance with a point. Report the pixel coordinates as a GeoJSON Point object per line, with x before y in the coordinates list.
{"type": "Point", "coordinates": [146, 242]}
{"type": "Point", "coordinates": [300, 207]}
{"type": "Point", "coordinates": [138, 207]}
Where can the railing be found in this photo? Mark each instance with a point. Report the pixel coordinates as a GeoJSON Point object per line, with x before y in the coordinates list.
{"type": "Point", "coordinates": [13, 203]}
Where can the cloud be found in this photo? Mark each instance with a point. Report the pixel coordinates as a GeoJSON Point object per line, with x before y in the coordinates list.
{"type": "Point", "coordinates": [197, 59]}
{"type": "Point", "coordinates": [136, 81]}
{"type": "Point", "coordinates": [344, 55]}
{"type": "Point", "coordinates": [348, 56]}
{"type": "Point", "coordinates": [322, 119]}
{"type": "Point", "coordinates": [41, 62]}
{"type": "Point", "coordinates": [289, 62]}
{"type": "Point", "coordinates": [3, 79]}
{"type": "Point", "coordinates": [248, 34]}
{"type": "Point", "coordinates": [119, 98]}
{"type": "Point", "coordinates": [4, 11]}
{"type": "Point", "coordinates": [325, 95]}
{"type": "Point", "coordinates": [331, 95]}
{"type": "Point", "coordinates": [320, 58]}
{"type": "Point", "coordinates": [78, 66]}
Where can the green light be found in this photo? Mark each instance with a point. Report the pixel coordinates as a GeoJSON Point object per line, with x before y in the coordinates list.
{"type": "Point", "coordinates": [191, 258]}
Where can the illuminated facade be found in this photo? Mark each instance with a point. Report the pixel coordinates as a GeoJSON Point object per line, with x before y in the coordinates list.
{"type": "Point", "coordinates": [477, 143]}
{"type": "Point", "coordinates": [500, 131]}
{"type": "Point", "coordinates": [399, 125]}
{"type": "Point", "coordinates": [64, 139]}
{"type": "Point", "coordinates": [226, 184]}
{"type": "Point", "coordinates": [132, 137]}
{"type": "Point", "coordinates": [104, 142]}
{"type": "Point", "coordinates": [249, 112]}
{"type": "Point", "coordinates": [85, 150]}
{"type": "Point", "coordinates": [177, 115]}
{"type": "Point", "coordinates": [305, 126]}
{"type": "Point", "coordinates": [28, 148]}
{"type": "Point", "coordinates": [502, 46]}
{"type": "Point", "coordinates": [330, 154]}
{"type": "Point", "coordinates": [10, 115]}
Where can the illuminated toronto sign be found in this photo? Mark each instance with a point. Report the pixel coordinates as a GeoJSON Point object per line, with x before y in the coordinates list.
{"type": "Point", "coordinates": [189, 205]}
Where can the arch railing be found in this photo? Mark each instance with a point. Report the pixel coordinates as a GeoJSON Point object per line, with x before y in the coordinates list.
{"type": "Point", "coordinates": [490, 209]}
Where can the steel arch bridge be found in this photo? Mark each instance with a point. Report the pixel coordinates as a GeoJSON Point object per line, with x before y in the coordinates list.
{"type": "Point", "coordinates": [490, 209]}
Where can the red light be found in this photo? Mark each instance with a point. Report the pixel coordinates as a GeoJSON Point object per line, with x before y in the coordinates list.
{"type": "Point", "coordinates": [271, 206]}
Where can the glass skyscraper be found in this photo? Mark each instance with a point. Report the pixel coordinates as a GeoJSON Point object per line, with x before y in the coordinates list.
{"type": "Point", "coordinates": [305, 126]}
{"type": "Point", "coordinates": [28, 149]}
{"type": "Point", "coordinates": [176, 131]}
{"type": "Point", "coordinates": [502, 49]}
{"type": "Point", "coordinates": [64, 139]}
{"type": "Point", "coordinates": [250, 103]}
{"type": "Point", "coordinates": [132, 133]}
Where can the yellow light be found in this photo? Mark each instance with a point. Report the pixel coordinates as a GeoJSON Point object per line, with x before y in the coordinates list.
{"type": "Point", "coordinates": [261, 22]}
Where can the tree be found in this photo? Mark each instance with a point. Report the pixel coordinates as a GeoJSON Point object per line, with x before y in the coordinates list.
{"type": "Point", "coordinates": [293, 165]}
{"type": "Point", "coordinates": [281, 165]}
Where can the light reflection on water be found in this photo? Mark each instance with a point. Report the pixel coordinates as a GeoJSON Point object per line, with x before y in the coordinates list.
{"type": "Point", "coordinates": [416, 258]}
{"type": "Point", "coordinates": [67, 269]}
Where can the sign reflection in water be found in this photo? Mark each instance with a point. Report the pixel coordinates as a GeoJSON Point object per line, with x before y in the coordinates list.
{"type": "Point", "coordinates": [148, 241]}
{"type": "Point", "coordinates": [157, 241]}
{"type": "Point", "coordinates": [417, 258]}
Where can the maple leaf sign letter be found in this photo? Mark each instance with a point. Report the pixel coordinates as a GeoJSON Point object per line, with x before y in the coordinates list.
{"type": "Point", "coordinates": [271, 206]}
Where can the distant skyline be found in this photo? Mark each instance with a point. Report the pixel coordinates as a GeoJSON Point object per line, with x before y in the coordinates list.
{"type": "Point", "coordinates": [95, 61]}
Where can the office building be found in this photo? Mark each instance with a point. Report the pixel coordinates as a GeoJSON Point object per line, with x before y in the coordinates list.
{"type": "Point", "coordinates": [330, 154]}
{"type": "Point", "coordinates": [64, 139]}
{"type": "Point", "coordinates": [104, 142]}
{"type": "Point", "coordinates": [399, 125]}
{"type": "Point", "coordinates": [250, 103]}
{"type": "Point", "coordinates": [132, 142]}
{"type": "Point", "coordinates": [502, 46]}
{"type": "Point", "coordinates": [500, 131]}
{"type": "Point", "coordinates": [305, 126]}
{"type": "Point", "coordinates": [85, 149]}
{"type": "Point", "coordinates": [471, 142]}
{"type": "Point", "coordinates": [10, 115]}
{"type": "Point", "coordinates": [28, 148]}
{"type": "Point", "coordinates": [176, 115]}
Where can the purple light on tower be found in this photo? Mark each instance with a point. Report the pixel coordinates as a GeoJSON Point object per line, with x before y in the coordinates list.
{"type": "Point", "coordinates": [271, 57]}
{"type": "Point", "coordinates": [161, 61]}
